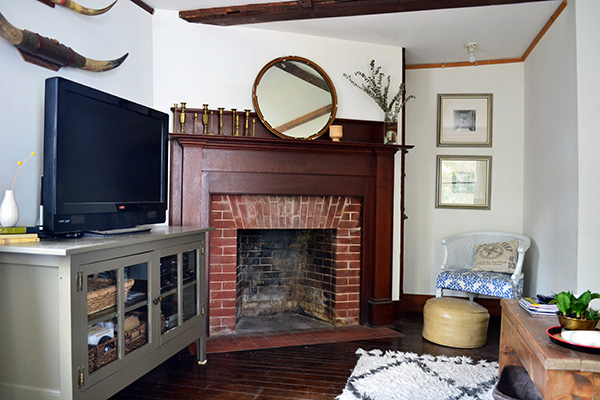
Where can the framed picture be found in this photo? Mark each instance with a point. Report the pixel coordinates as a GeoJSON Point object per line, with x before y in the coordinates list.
{"type": "Point", "coordinates": [464, 120]}
{"type": "Point", "coordinates": [463, 182]}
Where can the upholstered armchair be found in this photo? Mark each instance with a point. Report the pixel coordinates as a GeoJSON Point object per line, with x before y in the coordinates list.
{"type": "Point", "coordinates": [485, 263]}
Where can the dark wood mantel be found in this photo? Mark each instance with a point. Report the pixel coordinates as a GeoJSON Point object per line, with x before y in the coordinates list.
{"type": "Point", "coordinates": [203, 165]}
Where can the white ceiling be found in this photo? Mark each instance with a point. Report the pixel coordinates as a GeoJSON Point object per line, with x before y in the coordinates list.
{"type": "Point", "coordinates": [437, 36]}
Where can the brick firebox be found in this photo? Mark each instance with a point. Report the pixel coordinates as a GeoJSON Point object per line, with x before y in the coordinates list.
{"type": "Point", "coordinates": [228, 213]}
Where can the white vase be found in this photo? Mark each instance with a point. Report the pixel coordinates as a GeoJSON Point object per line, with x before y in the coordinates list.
{"type": "Point", "coordinates": [9, 210]}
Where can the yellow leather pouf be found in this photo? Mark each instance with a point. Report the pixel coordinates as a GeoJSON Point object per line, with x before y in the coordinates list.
{"type": "Point", "coordinates": [455, 322]}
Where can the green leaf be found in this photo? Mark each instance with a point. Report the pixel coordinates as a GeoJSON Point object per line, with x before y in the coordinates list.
{"type": "Point", "coordinates": [373, 86]}
{"type": "Point", "coordinates": [593, 314]}
{"type": "Point", "coordinates": [563, 302]}
{"type": "Point", "coordinates": [585, 298]}
{"type": "Point", "coordinates": [568, 304]}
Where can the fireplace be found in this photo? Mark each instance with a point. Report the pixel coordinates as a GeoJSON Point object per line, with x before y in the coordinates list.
{"type": "Point", "coordinates": [237, 183]}
{"type": "Point", "coordinates": [233, 215]}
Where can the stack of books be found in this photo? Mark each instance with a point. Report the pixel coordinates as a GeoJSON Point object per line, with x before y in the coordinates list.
{"type": "Point", "coordinates": [19, 234]}
{"type": "Point", "coordinates": [534, 306]}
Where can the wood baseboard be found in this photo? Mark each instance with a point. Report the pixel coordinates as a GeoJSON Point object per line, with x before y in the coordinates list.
{"type": "Point", "coordinates": [416, 302]}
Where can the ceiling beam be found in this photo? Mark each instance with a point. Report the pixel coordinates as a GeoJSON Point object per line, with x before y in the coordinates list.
{"type": "Point", "coordinates": [308, 9]}
{"type": "Point", "coordinates": [143, 6]}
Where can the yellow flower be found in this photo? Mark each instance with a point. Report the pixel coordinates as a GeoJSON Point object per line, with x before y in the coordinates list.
{"type": "Point", "coordinates": [21, 163]}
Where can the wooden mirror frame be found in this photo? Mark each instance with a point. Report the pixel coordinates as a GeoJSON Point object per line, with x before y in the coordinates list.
{"type": "Point", "coordinates": [325, 85]}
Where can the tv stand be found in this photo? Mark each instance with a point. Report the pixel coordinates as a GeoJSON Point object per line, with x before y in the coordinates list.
{"type": "Point", "coordinates": [60, 292]}
{"type": "Point", "coordinates": [122, 231]}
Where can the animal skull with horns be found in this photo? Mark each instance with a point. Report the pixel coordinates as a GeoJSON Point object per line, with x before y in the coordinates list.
{"type": "Point", "coordinates": [52, 51]}
{"type": "Point", "coordinates": [81, 9]}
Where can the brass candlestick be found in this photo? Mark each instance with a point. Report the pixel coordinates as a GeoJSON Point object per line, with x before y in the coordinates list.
{"type": "Point", "coordinates": [253, 126]}
{"type": "Point", "coordinates": [175, 119]}
{"type": "Point", "coordinates": [182, 117]}
{"type": "Point", "coordinates": [237, 125]}
{"type": "Point", "coordinates": [211, 122]}
{"type": "Point", "coordinates": [233, 110]}
{"type": "Point", "coordinates": [246, 122]}
{"type": "Point", "coordinates": [221, 120]}
{"type": "Point", "coordinates": [205, 118]}
{"type": "Point", "coordinates": [195, 123]}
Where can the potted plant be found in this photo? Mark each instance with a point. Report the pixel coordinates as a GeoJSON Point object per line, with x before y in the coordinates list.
{"type": "Point", "coordinates": [574, 312]}
{"type": "Point", "coordinates": [373, 85]}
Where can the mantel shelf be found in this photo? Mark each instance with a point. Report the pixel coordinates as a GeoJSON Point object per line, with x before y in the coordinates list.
{"type": "Point", "coordinates": [277, 144]}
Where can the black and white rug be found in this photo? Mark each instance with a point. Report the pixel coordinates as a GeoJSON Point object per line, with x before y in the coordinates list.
{"type": "Point", "coordinates": [408, 376]}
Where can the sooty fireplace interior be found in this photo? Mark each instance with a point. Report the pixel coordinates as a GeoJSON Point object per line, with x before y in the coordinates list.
{"type": "Point", "coordinates": [283, 271]}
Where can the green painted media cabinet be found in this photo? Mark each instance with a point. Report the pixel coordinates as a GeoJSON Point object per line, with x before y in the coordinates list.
{"type": "Point", "coordinates": [83, 318]}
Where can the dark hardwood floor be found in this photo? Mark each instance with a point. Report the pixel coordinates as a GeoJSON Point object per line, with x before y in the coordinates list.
{"type": "Point", "coordinates": [298, 372]}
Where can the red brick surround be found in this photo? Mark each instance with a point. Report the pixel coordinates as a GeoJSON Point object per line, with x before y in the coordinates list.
{"type": "Point", "coordinates": [228, 213]}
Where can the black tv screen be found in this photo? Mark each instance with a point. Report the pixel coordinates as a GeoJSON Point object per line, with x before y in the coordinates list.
{"type": "Point", "coordinates": [105, 160]}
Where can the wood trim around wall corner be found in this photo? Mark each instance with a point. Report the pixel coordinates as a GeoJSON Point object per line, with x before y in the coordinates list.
{"type": "Point", "coordinates": [540, 35]}
{"type": "Point", "coordinates": [465, 63]}
{"type": "Point", "coordinates": [416, 302]}
{"type": "Point", "coordinates": [537, 39]}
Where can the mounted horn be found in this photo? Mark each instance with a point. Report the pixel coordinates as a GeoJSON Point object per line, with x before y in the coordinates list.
{"type": "Point", "coordinates": [42, 51]}
{"type": "Point", "coordinates": [81, 9]}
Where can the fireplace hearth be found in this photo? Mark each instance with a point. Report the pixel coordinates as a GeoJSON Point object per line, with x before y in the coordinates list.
{"type": "Point", "coordinates": [280, 323]}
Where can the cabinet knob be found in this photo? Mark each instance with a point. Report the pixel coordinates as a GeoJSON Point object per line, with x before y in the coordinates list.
{"type": "Point", "coordinates": [157, 300]}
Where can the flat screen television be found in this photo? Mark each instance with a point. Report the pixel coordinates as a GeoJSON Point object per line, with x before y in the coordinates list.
{"type": "Point", "coordinates": [105, 161]}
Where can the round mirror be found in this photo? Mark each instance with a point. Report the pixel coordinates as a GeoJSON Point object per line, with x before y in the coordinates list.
{"type": "Point", "coordinates": [294, 98]}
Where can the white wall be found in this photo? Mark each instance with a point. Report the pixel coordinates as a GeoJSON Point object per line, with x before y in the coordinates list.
{"type": "Point", "coordinates": [556, 177]}
{"type": "Point", "coordinates": [103, 37]}
{"type": "Point", "coordinates": [200, 64]}
{"type": "Point", "coordinates": [551, 162]}
{"type": "Point", "coordinates": [427, 225]}
{"type": "Point", "coordinates": [588, 99]}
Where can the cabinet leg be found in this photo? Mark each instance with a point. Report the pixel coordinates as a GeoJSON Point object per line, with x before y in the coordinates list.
{"type": "Point", "coordinates": [201, 352]}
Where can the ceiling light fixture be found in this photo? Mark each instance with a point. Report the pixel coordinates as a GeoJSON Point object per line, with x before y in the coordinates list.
{"type": "Point", "coordinates": [471, 51]}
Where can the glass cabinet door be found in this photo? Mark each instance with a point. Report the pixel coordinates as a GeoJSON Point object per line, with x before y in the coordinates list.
{"type": "Point", "coordinates": [102, 316]}
{"type": "Point", "coordinates": [179, 287]}
{"type": "Point", "coordinates": [135, 323]}
{"type": "Point", "coordinates": [117, 309]}
{"type": "Point", "coordinates": [169, 305]}
{"type": "Point", "coordinates": [190, 284]}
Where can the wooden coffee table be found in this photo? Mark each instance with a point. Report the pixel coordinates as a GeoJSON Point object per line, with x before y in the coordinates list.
{"type": "Point", "coordinates": [558, 372]}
